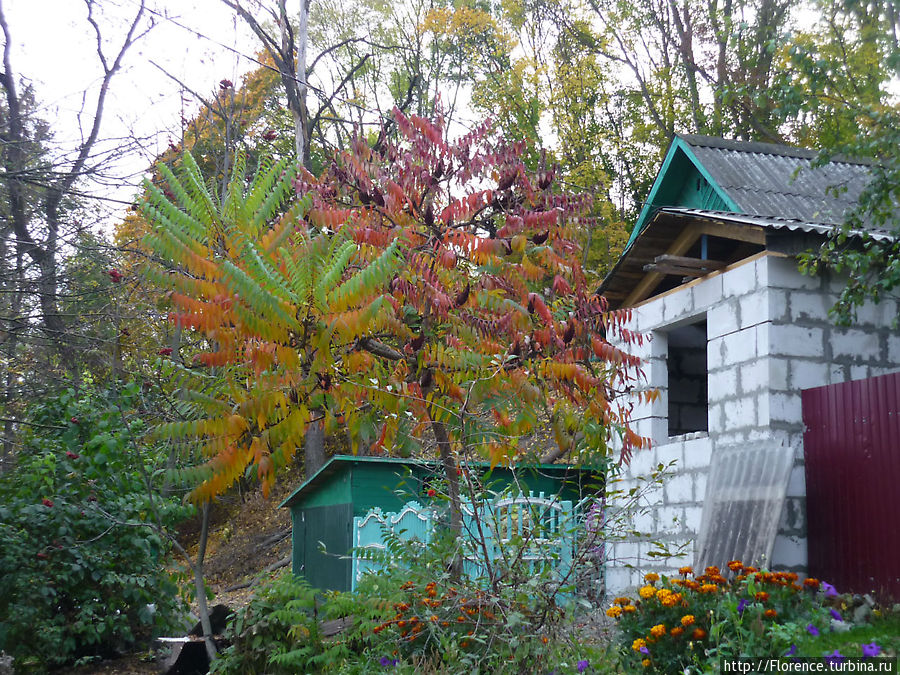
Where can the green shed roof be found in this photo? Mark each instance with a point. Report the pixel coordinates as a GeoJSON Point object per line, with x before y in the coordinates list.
{"type": "Point", "coordinates": [339, 463]}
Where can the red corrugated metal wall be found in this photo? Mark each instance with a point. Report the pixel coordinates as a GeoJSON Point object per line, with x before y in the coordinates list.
{"type": "Point", "coordinates": [852, 449]}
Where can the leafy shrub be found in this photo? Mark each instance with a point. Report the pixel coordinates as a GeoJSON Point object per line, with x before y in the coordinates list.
{"type": "Point", "coordinates": [411, 617]}
{"type": "Point", "coordinates": [81, 565]}
{"type": "Point", "coordinates": [694, 620]}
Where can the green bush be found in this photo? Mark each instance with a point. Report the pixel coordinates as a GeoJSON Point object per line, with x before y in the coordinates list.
{"type": "Point", "coordinates": [412, 617]}
{"type": "Point", "coordinates": [81, 563]}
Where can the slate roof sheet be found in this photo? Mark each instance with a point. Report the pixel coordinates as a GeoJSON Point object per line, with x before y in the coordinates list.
{"type": "Point", "coordinates": [779, 181]}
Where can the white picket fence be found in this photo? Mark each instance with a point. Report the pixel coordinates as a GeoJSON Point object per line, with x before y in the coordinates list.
{"type": "Point", "coordinates": [530, 531]}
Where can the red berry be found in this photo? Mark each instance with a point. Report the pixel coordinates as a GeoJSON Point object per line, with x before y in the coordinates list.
{"type": "Point", "coordinates": [431, 492]}
{"type": "Point", "coordinates": [42, 556]}
{"type": "Point", "coordinates": [72, 455]}
{"type": "Point", "coordinates": [73, 420]}
{"type": "Point", "coordinates": [48, 503]}
{"type": "Point", "coordinates": [165, 351]}
{"type": "Point", "coordinates": [115, 275]}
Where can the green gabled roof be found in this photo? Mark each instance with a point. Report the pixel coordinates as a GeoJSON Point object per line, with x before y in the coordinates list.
{"type": "Point", "coordinates": [339, 463]}
{"type": "Point", "coordinates": [682, 180]}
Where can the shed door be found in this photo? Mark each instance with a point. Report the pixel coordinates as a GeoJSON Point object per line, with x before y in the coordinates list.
{"type": "Point", "coordinates": [327, 526]}
{"type": "Point", "coordinates": [852, 449]}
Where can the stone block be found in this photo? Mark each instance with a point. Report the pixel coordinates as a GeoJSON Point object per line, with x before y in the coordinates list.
{"type": "Point", "coordinates": [740, 346]}
{"type": "Point", "coordinates": [618, 579]}
{"type": "Point", "coordinates": [785, 407]}
{"type": "Point", "coordinates": [754, 376]}
{"type": "Point", "coordinates": [797, 482]}
{"type": "Point", "coordinates": [739, 281]}
{"type": "Point", "coordinates": [753, 308]}
{"type": "Point", "coordinates": [838, 373]}
{"type": "Point", "coordinates": [716, 418]}
{"type": "Point", "coordinates": [740, 412]}
{"type": "Point", "coordinates": [783, 273]}
{"type": "Point", "coordinates": [650, 314]}
{"type": "Point", "coordinates": [700, 481]}
{"type": "Point", "coordinates": [659, 345]}
{"type": "Point", "coordinates": [808, 374]}
{"type": "Point", "coordinates": [645, 521]}
{"type": "Point", "coordinates": [778, 373]}
{"type": "Point", "coordinates": [678, 304]}
{"type": "Point", "coordinates": [679, 489]}
{"type": "Point", "coordinates": [670, 519]}
{"type": "Point", "coordinates": [722, 319]}
{"type": "Point", "coordinates": [708, 292]}
{"type": "Point", "coordinates": [857, 345]}
{"type": "Point", "coordinates": [859, 372]}
{"type": "Point", "coordinates": [797, 341]}
{"type": "Point", "coordinates": [878, 316]}
{"type": "Point", "coordinates": [642, 461]}
{"type": "Point", "coordinates": [722, 384]}
{"type": "Point", "coordinates": [693, 517]}
{"type": "Point", "coordinates": [893, 349]}
{"type": "Point", "coordinates": [778, 305]}
{"type": "Point", "coordinates": [763, 417]}
{"type": "Point", "coordinates": [764, 339]}
{"type": "Point", "coordinates": [697, 453]}
{"type": "Point", "coordinates": [715, 353]}
{"type": "Point", "coordinates": [809, 307]}
{"type": "Point", "coordinates": [789, 552]}
{"type": "Point", "coordinates": [670, 452]}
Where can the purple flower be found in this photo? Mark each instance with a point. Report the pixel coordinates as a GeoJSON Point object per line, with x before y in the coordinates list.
{"type": "Point", "coordinates": [834, 658]}
{"type": "Point", "coordinates": [830, 591]}
{"type": "Point", "coordinates": [644, 650]}
{"type": "Point", "coordinates": [582, 666]}
{"type": "Point", "coordinates": [791, 651]}
{"type": "Point", "coordinates": [387, 661]}
{"type": "Point", "coordinates": [870, 650]}
{"type": "Point", "coordinates": [742, 605]}
{"type": "Point", "coordinates": [836, 615]}
{"type": "Point", "coordinates": [812, 630]}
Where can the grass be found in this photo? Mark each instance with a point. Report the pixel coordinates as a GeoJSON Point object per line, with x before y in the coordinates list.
{"type": "Point", "coordinates": [883, 630]}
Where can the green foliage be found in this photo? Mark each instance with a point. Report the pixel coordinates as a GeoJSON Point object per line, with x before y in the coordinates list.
{"type": "Point", "coordinates": [80, 553]}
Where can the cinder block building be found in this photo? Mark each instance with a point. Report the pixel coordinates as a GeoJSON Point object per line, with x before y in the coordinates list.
{"type": "Point", "coordinates": [711, 273]}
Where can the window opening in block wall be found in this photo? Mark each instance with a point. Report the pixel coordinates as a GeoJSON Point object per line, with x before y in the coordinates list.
{"type": "Point", "coordinates": [688, 379]}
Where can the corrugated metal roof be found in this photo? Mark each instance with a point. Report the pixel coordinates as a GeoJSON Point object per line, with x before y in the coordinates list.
{"type": "Point", "coordinates": [780, 181]}
{"type": "Point", "coordinates": [775, 223]}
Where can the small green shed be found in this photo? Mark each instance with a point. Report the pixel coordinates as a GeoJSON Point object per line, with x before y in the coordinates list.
{"type": "Point", "coordinates": [323, 507]}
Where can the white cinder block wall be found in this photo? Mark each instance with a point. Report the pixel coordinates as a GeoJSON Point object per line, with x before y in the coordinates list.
{"type": "Point", "coordinates": [768, 337]}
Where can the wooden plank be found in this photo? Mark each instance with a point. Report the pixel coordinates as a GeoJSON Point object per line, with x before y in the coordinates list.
{"type": "Point", "coordinates": [680, 246]}
{"type": "Point", "coordinates": [696, 263]}
{"type": "Point", "coordinates": [675, 270]}
{"type": "Point", "coordinates": [753, 234]}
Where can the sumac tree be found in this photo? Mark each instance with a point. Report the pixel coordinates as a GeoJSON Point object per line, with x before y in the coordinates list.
{"type": "Point", "coordinates": [418, 289]}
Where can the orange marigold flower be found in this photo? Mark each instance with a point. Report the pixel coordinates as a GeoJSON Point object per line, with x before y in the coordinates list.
{"type": "Point", "coordinates": [678, 631]}
{"type": "Point", "coordinates": [698, 634]}
{"type": "Point", "coordinates": [671, 600]}
{"type": "Point", "coordinates": [460, 618]}
{"type": "Point", "coordinates": [651, 577]}
{"type": "Point", "coordinates": [740, 577]}
{"type": "Point", "coordinates": [614, 612]}
{"type": "Point", "coordinates": [629, 609]}
{"type": "Point", "coordinates": [622, 601]}
{"type": "Point", "coordinates": [687, 620]}
{"type": "Point", "coordinates": [693, 585]}
{"type": "Point", "coordinates": [735, 565]}
{"type": "Point", "coordinates": [761, 596]}
{"type": "Point", "coordinates": [645, 663]}
{"type": "Point", "coordinates": [401, 624]}
{"type": "Point", "coordinates": [770, 614]}
{"type": "Point", "coordinates": [433, 618]}
{"type": "Point", "coordinates": [663, 592]}
{"type": "Point", "coordinates": [647, 592]}
{"type": "Point", "coordinates": [791, 576]}
{"type": "Point", "coordinates": [708, 588]}
{"type": "Point", "coordinates": [811, 583]}
{"type": "Point", "coordinates": [637, 644]}
{"type": "Point", "coordinates": [545, 639]}
{"type": "Point", "coordinates": [684, 571]}
{"type": "Point", "coordinates": [658, 630]}
{"type": "Point", "coordinates": [712, 570]}
{"type": "Point", "coordinates": [445, 623]}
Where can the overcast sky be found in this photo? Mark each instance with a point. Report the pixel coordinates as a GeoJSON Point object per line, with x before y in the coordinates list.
{"type": "Point", "coordinates": [54, 47]}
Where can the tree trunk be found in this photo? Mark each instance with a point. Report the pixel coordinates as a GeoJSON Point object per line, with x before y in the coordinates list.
{"type": "Point", "coordinates": [314, 448]}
